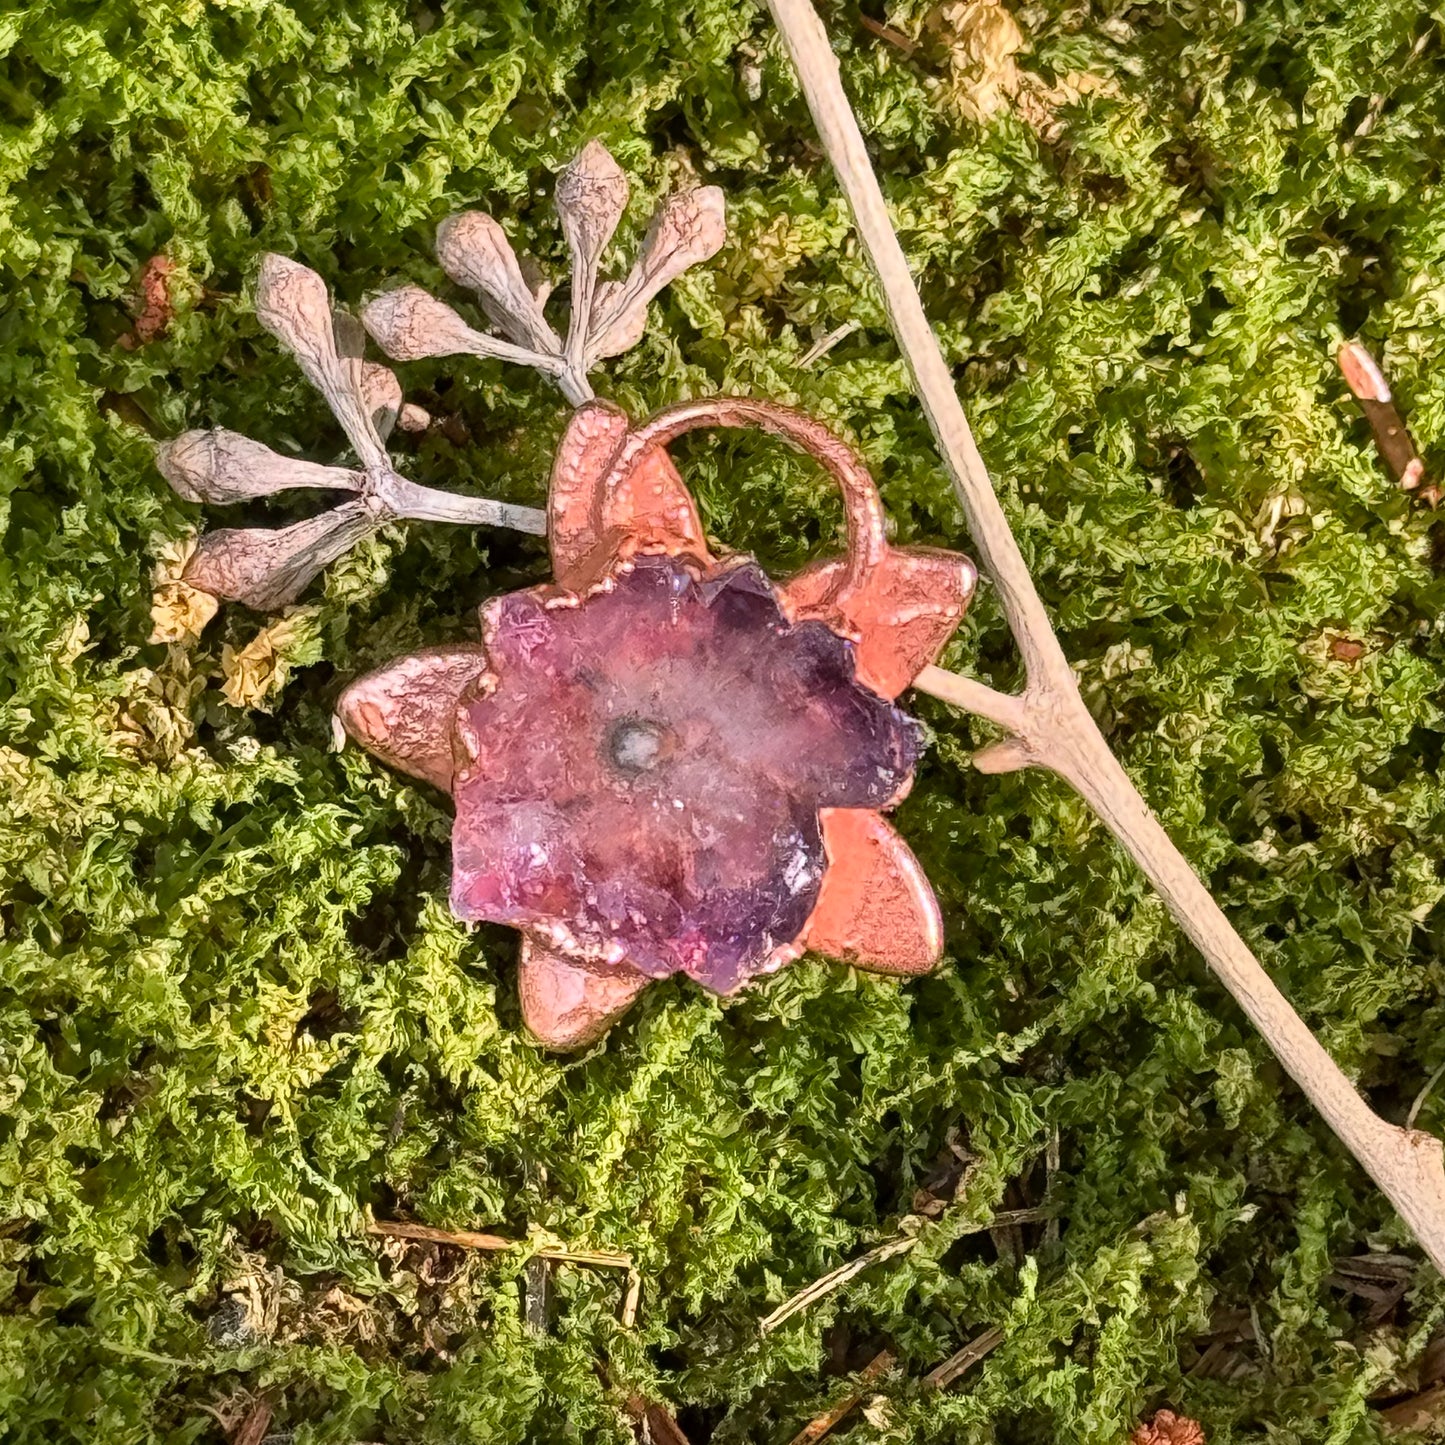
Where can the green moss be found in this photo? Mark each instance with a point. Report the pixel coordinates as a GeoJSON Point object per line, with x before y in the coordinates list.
{"type": "Point", "coordinates": [234, 1011]}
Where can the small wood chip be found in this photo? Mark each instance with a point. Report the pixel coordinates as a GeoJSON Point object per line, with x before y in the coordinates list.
{"type": "Point", "coordinates": [1392, 437]}
{"type": "Point", "coordinates": [655, 1425]}
{"type": "Point", "coordinates": [252, 1430]}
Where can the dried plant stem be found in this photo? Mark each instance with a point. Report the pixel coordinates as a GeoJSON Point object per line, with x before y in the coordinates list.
{"type": "Point", "coordinates": [398, 497]}
{"type": "Point", "coordinates": [473, 1239]}
{"type": "Point", "coordinates": [820, 1425]}
{"type": "Point", "coordinates": [835, 1279]}
{"type": "Point", "coordinates": [975, 1350]}
{"type": "Point", "coordinates": [1049, 724]}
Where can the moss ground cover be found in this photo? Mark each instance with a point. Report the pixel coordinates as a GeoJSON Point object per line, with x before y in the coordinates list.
{"type": "Point", "coordinates": [234, 1011]}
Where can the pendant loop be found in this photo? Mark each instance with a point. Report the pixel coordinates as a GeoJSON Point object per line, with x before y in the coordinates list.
{"type": "Point", "coordinates": [867, 538]}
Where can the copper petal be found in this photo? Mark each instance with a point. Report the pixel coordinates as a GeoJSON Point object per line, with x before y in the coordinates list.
{"type": "Point", "coordinates": [876, 909]}
{"type": "Point", "coordinates": [567, 1004]}
{"type": "Point", "coordinates": [403, 713]}
{"type": "Point", "coordinates": [906, 609]}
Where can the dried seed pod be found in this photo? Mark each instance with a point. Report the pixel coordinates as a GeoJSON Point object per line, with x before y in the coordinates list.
{"type": "Point", "coordinates": [688, 228]}
{"type": "Point", "coordinates": [409, 324]}
{"type": "Point", "coordinates": [223, 466]}
{"type": "Point", "coordinates": [475, 252]}
{"type": "Point", "coordinates": [268, 568]}
{"type": "Point", "coordinates": [627, 330]}
{"type": "Point", "coordinates": [591, 196]}
{"type": "Point", "coordinates": [293, 305]}
{"type": "Point", "coordinates": [381, 392]}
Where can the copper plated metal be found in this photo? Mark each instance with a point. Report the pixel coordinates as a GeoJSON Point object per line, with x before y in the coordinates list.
{"type": "Point", "coordinates": [404, 712]}
{"type": "Point", "coordinates": [876, 909]}
{"type": "Point", "coordinates": [616, 501]}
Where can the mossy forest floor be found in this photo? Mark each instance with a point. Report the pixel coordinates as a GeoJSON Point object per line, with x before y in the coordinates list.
{"type": "Point", "coordinates": [235, 1015]}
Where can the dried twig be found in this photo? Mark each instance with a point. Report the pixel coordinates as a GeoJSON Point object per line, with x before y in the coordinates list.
{"type": "Point", "coordinates": [252, 1430]}
{"type": "Point", "coordinates": [1426, 1089]}
{"type": "Point", "coordinates": [824, 344]}
{"type": "Point", "coordinates": [1048, 725]}
{"type": "Point", "coordinates": [555, 1254]}
{"type": "Point", "coordinates": [1392, 437]}
{"type": "Point", "coordinates": [978, 1348]}
{"type": "Point", "coordinates": [820, 1425]}
{"type": "Point", "coordinates": [655, 1423]}
{"type": "Point", "coordinates": [462, 1238]}
{"type": "Point", "coordinates": [835, 1279]}
{"type": "Point", "coordinates": [888, 33]}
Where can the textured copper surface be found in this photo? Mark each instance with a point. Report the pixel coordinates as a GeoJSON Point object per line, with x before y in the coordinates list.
{"type": "Point", "coordinates": [876, 909]}
{"type": "Point", "coordinates": [772, 709]}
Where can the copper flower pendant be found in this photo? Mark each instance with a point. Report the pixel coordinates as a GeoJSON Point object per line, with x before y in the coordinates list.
{"type": "Point", "coordinates": [661, 762]}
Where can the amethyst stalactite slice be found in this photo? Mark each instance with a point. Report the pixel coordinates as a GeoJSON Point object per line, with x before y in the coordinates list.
{"type": "Point", "coordinates": [640, 771]}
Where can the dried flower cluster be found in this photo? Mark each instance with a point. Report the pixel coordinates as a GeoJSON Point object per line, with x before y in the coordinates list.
{"type": "Point", "coordinates": [269, 568]}
{"type": "Point", "coordinates": [607, 317]}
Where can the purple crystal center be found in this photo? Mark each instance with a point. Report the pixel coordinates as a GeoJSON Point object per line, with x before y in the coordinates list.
{"type": "Point", "coordinates": [650, 763]}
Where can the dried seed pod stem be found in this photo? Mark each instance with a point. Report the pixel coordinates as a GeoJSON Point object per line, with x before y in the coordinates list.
{"type": "Point", "coordinates": [1049, 722]}
{"type": "Point", "coordinates": [402, 498]}
{"type": "Point", "coordinates": [292, 304]}
{"type": "Point", "coordinates": [267, 567]}
{"type": "Point", "coordinates": [408, 324]}
{"type": "Point", "coordinates": [475, 252]}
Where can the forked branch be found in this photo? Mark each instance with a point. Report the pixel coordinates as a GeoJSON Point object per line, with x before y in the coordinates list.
{"type": "Point", "coordinates": [1048, 724]}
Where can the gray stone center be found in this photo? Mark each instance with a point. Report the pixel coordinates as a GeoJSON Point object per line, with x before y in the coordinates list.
{"type": "Point", "coordinates": [634, 745]}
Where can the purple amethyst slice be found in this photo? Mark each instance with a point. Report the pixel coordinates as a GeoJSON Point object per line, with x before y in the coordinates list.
{"type": "Point", "coordinates": [640, 772]}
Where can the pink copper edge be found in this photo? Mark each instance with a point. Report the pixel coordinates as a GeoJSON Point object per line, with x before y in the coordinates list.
{"type": "Point", "coordinates": [567, 1004]}
{"type": "Point", "coordinates": [606, 494]}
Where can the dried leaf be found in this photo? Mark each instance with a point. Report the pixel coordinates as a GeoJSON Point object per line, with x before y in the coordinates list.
{"type": "Point", "coordinates": [154, 308]}
{"type": "Point", "coordinates": [409, 324]}
{"type": "Point", "coordinates": [267, 568]}
{"type": "Point", "coordinates": [221, 466]}
{"type": "Point", "coordinates": [688, 228]}
{"type": "Point", "coordinates": [179, 610]}
{"type": "Point", "coordinates": [475, 252]}
{"type": "Point", "coordinates": [261, 667]}
{"type": "Point", "coordinates": [980, 39]}
{"type": "Point", "coordinates": [591, 196]}
{"type": "Point", "coordinates": [981, 42]}
{"type": "Point", "coordinates": [155, 716]}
